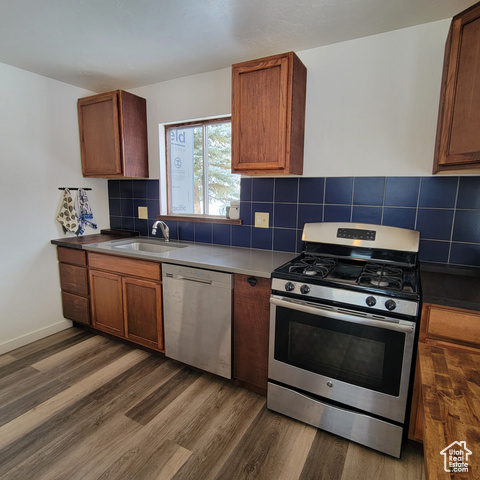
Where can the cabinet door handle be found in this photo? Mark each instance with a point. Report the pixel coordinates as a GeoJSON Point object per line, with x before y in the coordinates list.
{"type": "Point", "coordinates": [252, 281]}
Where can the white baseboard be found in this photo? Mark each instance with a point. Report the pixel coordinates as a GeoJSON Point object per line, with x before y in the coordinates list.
{"type": "Point", "coordinates": [30, 337]}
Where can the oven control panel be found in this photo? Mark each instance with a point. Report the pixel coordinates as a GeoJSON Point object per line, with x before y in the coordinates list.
{"type": "Point", "coordinates": [356, 234]}
{"type": "Point", "coordinates": [377, 302]}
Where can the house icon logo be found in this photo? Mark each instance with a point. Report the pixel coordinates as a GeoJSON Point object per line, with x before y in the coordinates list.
{"type": "Point", "coordinates": [455, 457]}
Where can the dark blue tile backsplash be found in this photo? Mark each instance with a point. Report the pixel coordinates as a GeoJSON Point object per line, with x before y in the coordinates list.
{"type": "Point", "coordinates": [446, 211]}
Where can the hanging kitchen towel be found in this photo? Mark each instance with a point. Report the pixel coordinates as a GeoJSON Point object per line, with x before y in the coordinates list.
{"type": "Point", "coordinates": [67, 216]}
{"type": "Point", "coordinates": [84, 211]}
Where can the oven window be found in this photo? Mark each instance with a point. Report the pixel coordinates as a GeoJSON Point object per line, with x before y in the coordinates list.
{"type": "Point", "coordinates": [365, 356]}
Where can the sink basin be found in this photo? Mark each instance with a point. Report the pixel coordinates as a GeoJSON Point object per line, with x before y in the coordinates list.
{"type": "Point", "coordinates": [148, 246]}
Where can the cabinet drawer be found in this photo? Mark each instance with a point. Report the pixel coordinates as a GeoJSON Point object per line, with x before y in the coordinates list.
{"type": "Point", "coordinates": [76, 308]}
{"type": "Point", "coordinates": [452, 324]}
{"type": "Point", "coordinates": [73, 279]}
{"type": "Point", "coordinates": [70, 255]}
{"type": "Point", "coordinates": [125, 266]}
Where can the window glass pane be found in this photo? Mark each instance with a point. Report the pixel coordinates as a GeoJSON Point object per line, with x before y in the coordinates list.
{"type": "Point", "coordinates": [200, 181]}
{"type": "Point", "coordinates": [223, 186]}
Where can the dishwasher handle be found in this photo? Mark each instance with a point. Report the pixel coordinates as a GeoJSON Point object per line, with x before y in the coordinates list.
{"type": "Point", "coordinates": [188, 279]}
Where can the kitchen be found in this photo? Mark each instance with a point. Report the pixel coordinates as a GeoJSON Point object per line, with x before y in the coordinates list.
{"type": "Point", "coordinates": [371, 103]}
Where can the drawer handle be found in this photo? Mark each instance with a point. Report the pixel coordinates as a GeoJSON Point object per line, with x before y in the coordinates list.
{"type": "Point", "coordinates": [252, 281]}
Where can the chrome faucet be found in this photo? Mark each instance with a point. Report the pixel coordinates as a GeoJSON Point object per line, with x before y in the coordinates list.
{"type": "Point", "coordinates": [164, 227]}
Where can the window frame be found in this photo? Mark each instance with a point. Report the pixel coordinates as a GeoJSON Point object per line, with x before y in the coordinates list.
{"type": "Point", "coordinates": [190, 216]}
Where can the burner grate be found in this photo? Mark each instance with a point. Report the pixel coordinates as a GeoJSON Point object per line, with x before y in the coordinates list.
{"type": "Point", "coordinates": [383, 276]}
{"type": "Point", "coordinates": [313, 266]}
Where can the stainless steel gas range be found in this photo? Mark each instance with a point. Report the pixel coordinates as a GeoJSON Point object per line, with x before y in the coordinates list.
{"type": "Point", "coordinates": [343, 332]}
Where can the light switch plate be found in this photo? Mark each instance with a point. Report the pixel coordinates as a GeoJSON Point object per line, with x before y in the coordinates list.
{"type": "Point", "coordinates": [261, 219]}
{"type": "Point", "coordinates": [142, 212]}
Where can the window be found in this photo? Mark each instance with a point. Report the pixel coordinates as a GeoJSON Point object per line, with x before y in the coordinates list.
{"type": "Point", "coordinates": [199, 178]}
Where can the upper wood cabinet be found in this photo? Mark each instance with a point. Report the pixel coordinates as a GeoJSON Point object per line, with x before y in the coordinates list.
{"type": "Point", "coordinates": [113, 135]}
{"type": "Point", "coordinates": [268, 115]}
{"type": "Point", "coordinates": [458, 132]}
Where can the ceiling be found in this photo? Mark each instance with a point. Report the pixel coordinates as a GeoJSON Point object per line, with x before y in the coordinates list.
{"type": "Point", "coordinates": [103, 45]}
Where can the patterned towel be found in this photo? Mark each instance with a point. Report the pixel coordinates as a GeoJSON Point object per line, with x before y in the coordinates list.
{"type": "Point", "coordinates": [67, 216]}
{"type": "Point", "coordinates": [85, 215]}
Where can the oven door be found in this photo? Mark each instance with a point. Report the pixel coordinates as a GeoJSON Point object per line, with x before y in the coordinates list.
{"type": "Point", "coordinates": [353, 358]}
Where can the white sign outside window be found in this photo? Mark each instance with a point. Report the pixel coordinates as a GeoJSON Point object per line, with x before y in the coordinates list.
{"type": "Point", "coordinates": [181, 171]}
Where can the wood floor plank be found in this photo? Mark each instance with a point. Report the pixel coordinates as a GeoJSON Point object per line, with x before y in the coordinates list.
{"type": "Point", "coordinates": [19, 383]}
{"type": "Point", "coordinates": [73, 355]}
{"type": "Point", "coordinates": [23, 404]}
{"type": "Point", "coordinates": [371, 464]}
{"type": "Point", "coordinates": [149, 438]}
{"type": "Point", "coordinates": [54, 439]}
{"type": "Point", "coordinates": [214, 435]}
{"type": "Point", "coordinates": [326, 457]}
{"type": "Point", "coordinates": [128, 414]}
{"type": "Point", "coordinates": [164, 462]}
{"type": "Point", "coordinates": [78, 462]}
{"type": "Point", "coordinates": [66, 374]}
{"type": "Point", "coordinates": [40, 353]}
{"type": "Point", "coordinates": [47, 342]}
{"type": "Point", "coordinates": [266, 449]}
{"type": "Point", "coordinates": [22, 424]}
{"type": "Point", "coordinates": [5, 359]}
{"type": "Point", "coordinates": [144, 411]}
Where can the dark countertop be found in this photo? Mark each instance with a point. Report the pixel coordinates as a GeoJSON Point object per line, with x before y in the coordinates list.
{"type": "Point", "coordinates": [245, 261]}
{"type": "Point", "coordinates": [451, 286]}
{"type": "Point", "coordinates": [103, 236]}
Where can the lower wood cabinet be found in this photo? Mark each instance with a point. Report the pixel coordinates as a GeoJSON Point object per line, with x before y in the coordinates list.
{"type": "Point", "coordinates": [74, 284]}
{"type": "Point", "coordinates": [445, 327]}
{"type": "Point", "coordinates": [251, 330]}
{"type": "Point", "coordinates": [125, 305]}
{"type": "Point", "coordinates": [142, 305]}
{"type": "Point", "coordinates": [107, 302]}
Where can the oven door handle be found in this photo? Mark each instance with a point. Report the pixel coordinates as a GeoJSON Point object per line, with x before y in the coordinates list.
{"type": "Point", "coordinates": [351, 317]}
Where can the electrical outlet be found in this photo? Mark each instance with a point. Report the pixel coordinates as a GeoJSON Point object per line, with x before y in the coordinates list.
{"type": "Point", "coordinates": [142, 212]}
{"type": "Point", "coordinates": [261, 219]}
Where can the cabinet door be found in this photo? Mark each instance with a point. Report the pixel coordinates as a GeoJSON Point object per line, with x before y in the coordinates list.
{"type": "Point", "coordinates": [268, 115]}
{"type": "Point", "coordinates": [251, 329]}
{"type": "Point", "coordinates": [99, 135]}
{"type": "Point", "coordinates": [106, 302]}
{"type": "Point", "coordinates": [458, 139]}
{"type": "Point", "coordinates": [143, 312]}
{"type": "Point", "coordinates": [446, 327]}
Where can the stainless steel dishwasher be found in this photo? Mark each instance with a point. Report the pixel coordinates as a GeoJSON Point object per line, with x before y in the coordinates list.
{"type": "Point", "coordinates": [197, 308]}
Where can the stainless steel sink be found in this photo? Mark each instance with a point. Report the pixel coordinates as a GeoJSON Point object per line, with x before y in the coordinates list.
{"type": "Point", "coordinates": [146, 245]}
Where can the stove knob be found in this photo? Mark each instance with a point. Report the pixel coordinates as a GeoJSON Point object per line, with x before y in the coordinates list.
{"type": "Point", "coordinates": [370, 301]}
{"type": "Point", "coordinates": [289, 286]}
{"type": "Point", "coordinates": [390, 305]}
{"type": "Point", "coordinates": [304, 289]}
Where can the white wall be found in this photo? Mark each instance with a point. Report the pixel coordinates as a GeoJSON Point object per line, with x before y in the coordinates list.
{"type": "Point", "coordinates": [198, 96]}
{"type": "Point", "coordinates": [39, 152]}
{"type": "Point", "coordinates": [372, 103]}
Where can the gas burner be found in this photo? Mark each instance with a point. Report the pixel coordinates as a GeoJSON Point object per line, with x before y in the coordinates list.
{"type": "Point", "coordinates": [312, 266]}
{"type": "Point", "coordinates": [383, 276]}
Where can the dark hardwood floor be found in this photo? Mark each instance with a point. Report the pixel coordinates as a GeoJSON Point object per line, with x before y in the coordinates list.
{"type": "Point", "coordinates": [82, 406]}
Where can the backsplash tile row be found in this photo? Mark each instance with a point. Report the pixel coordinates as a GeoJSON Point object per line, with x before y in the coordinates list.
{"type": "Point", "coordinates": [446, 211]}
